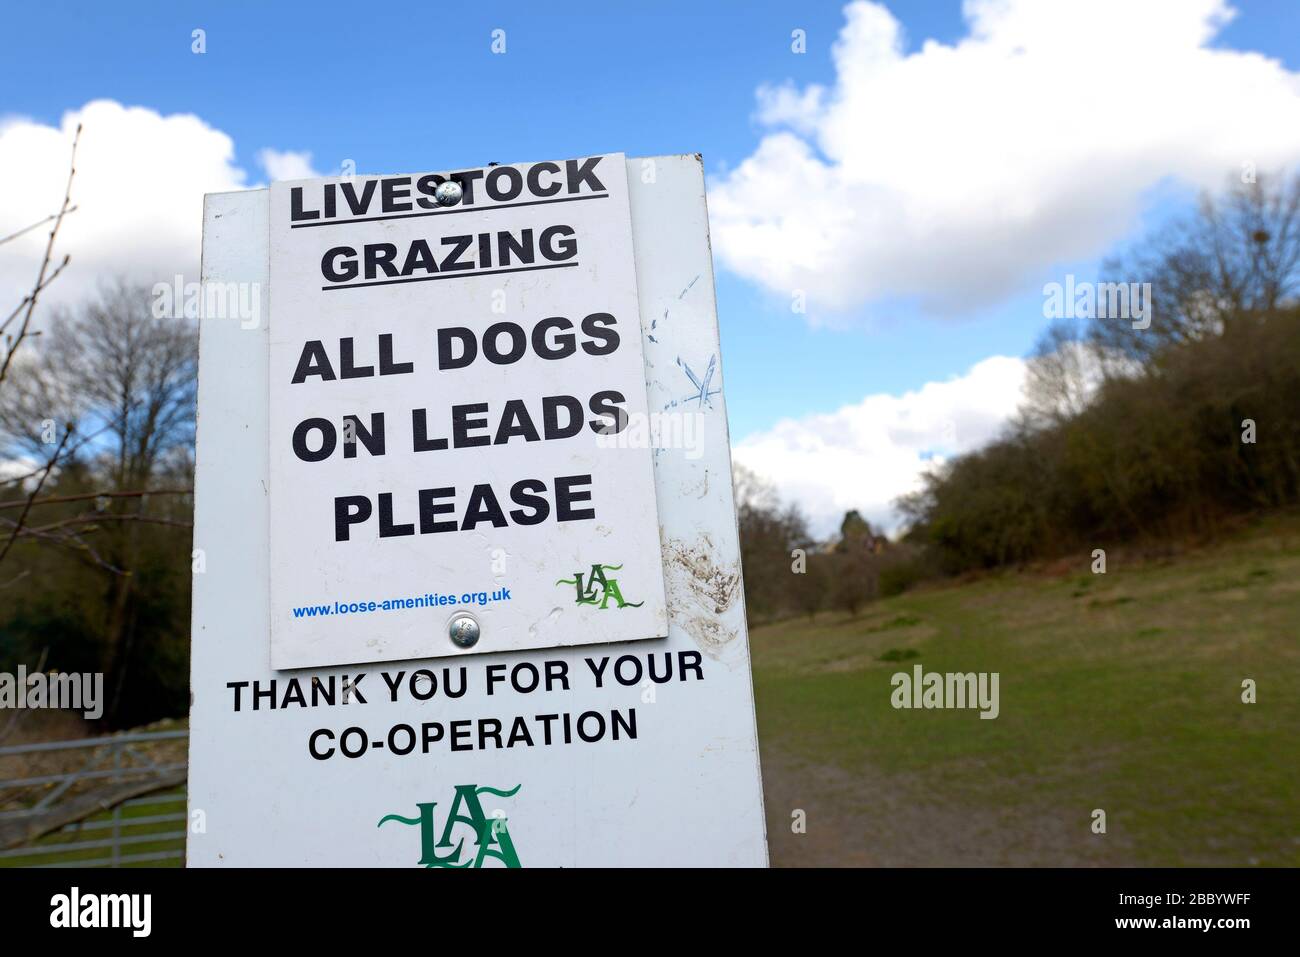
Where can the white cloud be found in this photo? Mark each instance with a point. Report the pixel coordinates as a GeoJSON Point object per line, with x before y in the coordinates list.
{"type": "Point", "coordinates": [864, 456]}
{"type": "Point", "coordinates": [956, 174]}
{"type": "Point", "coordinates": [139, 190]}
{"type": "Point", "coordinates": [19, 467]}
{"type": "Point", "coordinates": [282, 165]}
{"type": "Point", "coordinates": [786, 106]}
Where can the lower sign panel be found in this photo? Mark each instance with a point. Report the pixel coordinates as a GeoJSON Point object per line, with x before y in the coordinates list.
{"type": "Point", "coordinates": [638, 753]}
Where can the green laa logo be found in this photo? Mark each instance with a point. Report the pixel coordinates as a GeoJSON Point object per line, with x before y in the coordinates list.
{"type": "Point", "coordinates": [491, 837]}
{"type": "Point", "coordinates": [599, 590]}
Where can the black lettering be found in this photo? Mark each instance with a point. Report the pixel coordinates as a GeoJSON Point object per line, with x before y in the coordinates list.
{"type": "Point", "coordinates": [446, 360]}
{"type": "Point", "coordinates": [427, 185]}
{"type": "Point", "coordinates": [518, 343]}
{"type": "Point", "coordinates": [551, 406]}
{"type": "Point", "coordinates": [332, 270]}
{"type": "Point", "coordinates": [329, 439]}
{"type": "Point", "coordinates": [380, 256]}
{"type": "Point", "coordinates": [493, 183]}
{"type": "Point", "coordinates": [393, 201]}
{"type": "Point", "coordinates": [482, 506]}
{"type": "Point", "coordinates": [558, 251]}
{"type": "Point", "coordinates": [522, 247]}
{"type": "Point", "coordinates": [466, 181]}
{"type": "Point", "coordinates": [597, 326]}
{"type": "Point", "coordinates": [535, 179]}
{"type": "Point", "coordinates": [386, 527]}
{"type": "Point", "coordinates": [419, 256]}
{"type": "Point", "coordinates": [577, 175]}
{"type": "Point", "coordinates": [461, 423]}
{"type": "Point", "coordinates": [311, 743]}
{"type": "Point", "coordinates": [430, 510]}
{"type": "Point", "coordinates": [349, 510]}
{"type": "Point", "coordinates": [566, 495]}
{"type": "Point", "coordinates": [690, 661]}
{"type": "Point", "coordinates": [296, 213]}
{"type": "Point", "coordinates": [354, 733]}
{"type": "Point", "coordinates": [372, 438]}
{"type": "Point", "coordinates": [460, 244]}
{"type": "Point", "coordinates": [516, 421]}
{"type": "Point", "coordinates": [520, 495]}
{"type": "Point", "coordinates": [420, 433]}
{"type": "Point", "coordinates": [359, 206]}
{"type": "Point", "coordinates": [386, 364]}
{"type": "Point", "coordinates": [313, 361]}
{"type": "Point", "coordinates": [606, 405]}
{"type": "Point", "coordinates": [346, 367]}
{"type": "Point", "coordinates": [565, 342]}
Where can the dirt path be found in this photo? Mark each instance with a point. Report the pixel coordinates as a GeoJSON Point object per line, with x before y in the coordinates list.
{"type": "Point", "coordinates": [877, 820]}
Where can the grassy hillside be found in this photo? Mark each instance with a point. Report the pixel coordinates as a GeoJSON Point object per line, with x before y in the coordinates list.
{"type": "Point", "coordinates": [1119, 691]}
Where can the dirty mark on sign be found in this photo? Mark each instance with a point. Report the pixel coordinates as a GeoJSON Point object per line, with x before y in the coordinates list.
{"type": "Point", "coordinates": [697, 488]}
{"type": "Point", "coordinates": [711, 589]}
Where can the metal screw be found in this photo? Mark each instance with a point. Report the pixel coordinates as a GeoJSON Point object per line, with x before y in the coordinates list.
{"type": "Point", "coordinates": [464, 631]}
{"type": "Point", "coordinates": [448, 193]}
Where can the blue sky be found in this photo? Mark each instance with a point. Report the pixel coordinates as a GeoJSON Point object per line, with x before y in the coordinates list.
{"type": "Point", "coordinates": [403, 87]}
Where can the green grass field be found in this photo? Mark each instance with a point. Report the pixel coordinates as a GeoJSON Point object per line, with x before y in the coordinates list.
{"type": "Point", "coordinates": [1119, 691]}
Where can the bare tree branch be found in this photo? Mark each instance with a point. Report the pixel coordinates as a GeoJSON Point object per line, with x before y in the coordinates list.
{"type": "Point", "coordinates": [31, 499]}
{"type": "Point", "coordinates": [30, 298]}
{"type": "Point", "coordinates": [36, 225]}
{"type": "Point", "coordinates": [13, 342]}
{"type": "Point", "coordinates": [75, 544]}
{"type": "Point", "coordinates": [88, 496]}
{"type": "Point", "coordinates": [18, 714]}
{"type": "Point", "coordinates": [90, 520]}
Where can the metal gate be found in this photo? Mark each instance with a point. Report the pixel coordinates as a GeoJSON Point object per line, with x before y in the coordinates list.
{"type": "Point", "coordinates": [94, 802]}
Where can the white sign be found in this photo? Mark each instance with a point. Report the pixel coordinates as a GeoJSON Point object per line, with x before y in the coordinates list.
{"type": "Point", "coordinates": [441, 378]}
{"type": "Point", "coordinates": [642, 754]}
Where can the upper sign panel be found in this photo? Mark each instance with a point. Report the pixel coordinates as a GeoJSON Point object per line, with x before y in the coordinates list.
{"type": "Point", "coordinates": [441, 379]}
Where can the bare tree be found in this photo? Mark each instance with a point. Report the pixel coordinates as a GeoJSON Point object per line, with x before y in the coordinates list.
{"type": "Point", "coordinates": [113, 369]}
{"type": "Point", "coordinates": [1237, 259]}
{"type": "Point", "coordinates": [124, 381]}
{"type": "Point", "coordinates": [1061, 375]}
{"type": "Point", "coordinates": [769, 532]}
{"type": "Point", "coordinates": [752, 490]}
